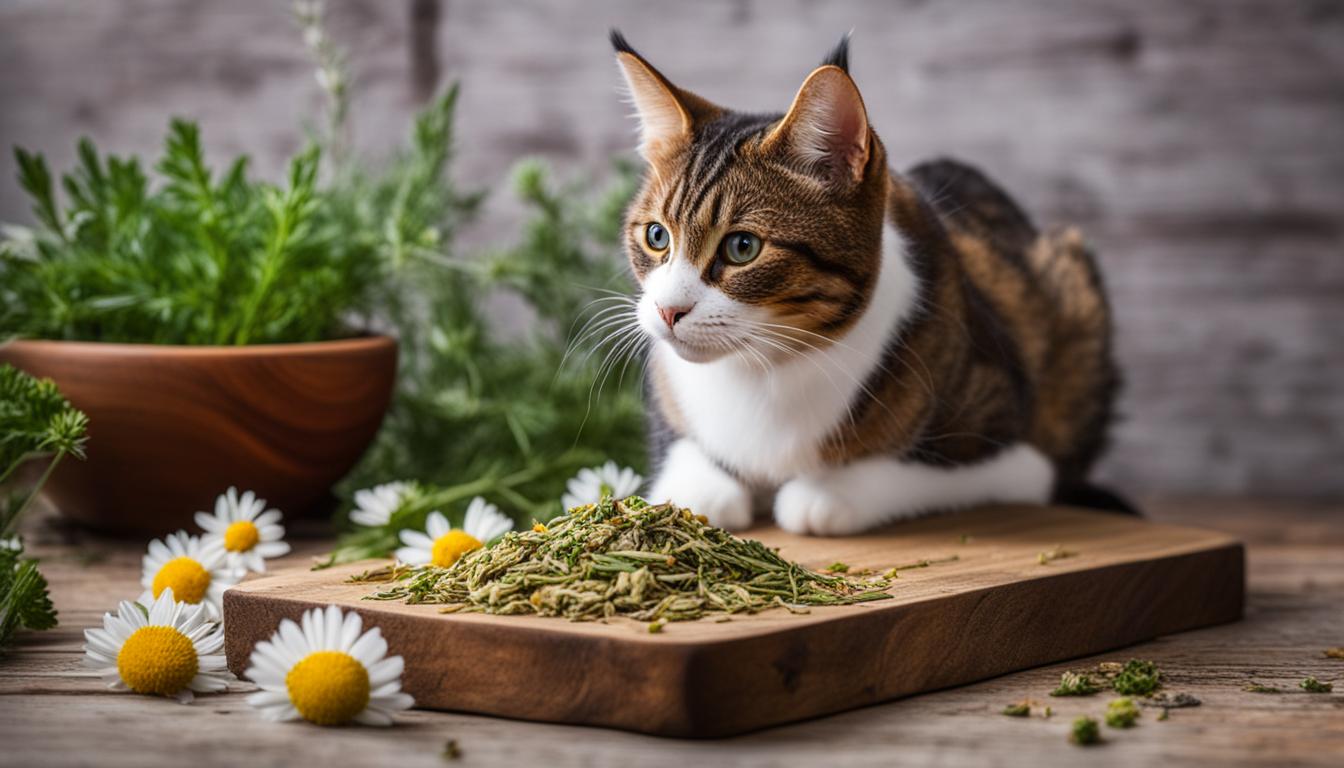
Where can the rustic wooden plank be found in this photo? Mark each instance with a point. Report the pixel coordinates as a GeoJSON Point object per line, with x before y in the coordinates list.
{"type": "Point", "coordinates": [995, 609]}
{"type": "Point", "coordinates": [52, 713]}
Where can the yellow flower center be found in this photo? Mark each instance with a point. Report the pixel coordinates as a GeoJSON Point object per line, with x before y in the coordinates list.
{"type": "Point", "coordinates": [157, 660]}
{"type": "Point", "coordinates": [242, 536]}
{"type": "Point", "coordinates": [185, 577]}
{"type": "Point", "coordinates": [328, 687]}
{"type": "Point", "coordinates": [453, 545]}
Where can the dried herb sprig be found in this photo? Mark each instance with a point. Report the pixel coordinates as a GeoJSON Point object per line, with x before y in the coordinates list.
{"type": "Point", "coordinates": [895, 571]}
{"type": "Point", "coordinates": [1312, 685]}
{"type": "Point", "coordinates": [1122, 713]}
{"type": "Point", "coordinates": [1261, 688]}
{"type": "Point", "coordinates": [1170, 701]}
{"type": "Point", "coordinates": [1137, 678]}
{"type": "Point", "coordinates": [1085, 732]}
{"type": "Point", "coordinates": [629, 558]}
{"type": "Point", "coordinates": [1075, 684]}
{"type": "Point", "coordinates": [1020, 709]}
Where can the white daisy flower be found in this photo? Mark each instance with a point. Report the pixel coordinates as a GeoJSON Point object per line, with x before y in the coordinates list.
{"type": "Point", "coordinates": [327, 672]}
{"type": "Point", "coordinates": [444, 544]}
{"type": "Point", "coordinates": [196, 574]}
{"type": "Point", "coordinates": [166, 648]}
{"type": "Point", "coordinates": [374, 506]}
{"type": "Point", "coordinates": [590, 484]}
{"type": "Point", "coordinates": [247, 534]}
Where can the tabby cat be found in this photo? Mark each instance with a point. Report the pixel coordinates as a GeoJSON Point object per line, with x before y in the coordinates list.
{"type": "Point", "coordinates": [845, 343]}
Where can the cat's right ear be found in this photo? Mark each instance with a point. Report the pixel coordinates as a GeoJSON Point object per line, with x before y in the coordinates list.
{"type": "Point", "coordinates": [666, 113]}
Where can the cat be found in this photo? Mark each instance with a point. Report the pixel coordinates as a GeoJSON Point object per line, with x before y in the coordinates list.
{"type": "Point", "coordinates": [845, 343]}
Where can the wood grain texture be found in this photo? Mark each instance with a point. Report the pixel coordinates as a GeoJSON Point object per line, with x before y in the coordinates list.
{"type": "Point", "coordinates": [1199, 144]}
{"type": "Point", "coordinates": [284, 420]}
{"type": "Point", "coordinates": [54, 712]}
{"type": "Point", "coordinates": [994, 610]}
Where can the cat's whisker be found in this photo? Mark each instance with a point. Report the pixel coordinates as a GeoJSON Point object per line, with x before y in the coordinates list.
{"type": "Point", "coordinates": [610, 326]}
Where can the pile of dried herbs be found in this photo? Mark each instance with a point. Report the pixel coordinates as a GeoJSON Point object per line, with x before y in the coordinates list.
{"type": "Point", "coordinates": [627, 558]}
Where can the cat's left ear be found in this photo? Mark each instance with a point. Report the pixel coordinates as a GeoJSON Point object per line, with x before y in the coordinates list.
{"type": "Point", "coordinates": [826, 128]}
{"type": "Point", "coordinates": [666, 113]}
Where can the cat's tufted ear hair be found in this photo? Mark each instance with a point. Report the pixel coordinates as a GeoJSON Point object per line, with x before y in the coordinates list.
{"type": "Point", "coordinates": [666, 113]}
{"type": "Point", "coordinates": [826, 128]}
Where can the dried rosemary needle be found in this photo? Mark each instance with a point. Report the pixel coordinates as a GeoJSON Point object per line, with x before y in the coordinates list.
{"type": "Point", "coordinates": [628, 558]}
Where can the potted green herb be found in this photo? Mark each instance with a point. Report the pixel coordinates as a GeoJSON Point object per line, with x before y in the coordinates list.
{"type": "Point", "coordinates": [211, 325]}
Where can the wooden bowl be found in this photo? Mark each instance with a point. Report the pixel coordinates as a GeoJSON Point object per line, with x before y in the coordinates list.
{"type": "Point", "coordinates": [171, 427]}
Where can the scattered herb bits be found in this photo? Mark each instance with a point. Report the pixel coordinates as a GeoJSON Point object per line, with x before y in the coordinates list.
{"type": "Point", "coordinates": [450, 750]}
{"type": "Point", "coordinates": [1057, 552]}
{"type": "Point", "coordinates": [837, 567]}
{"type": "Point", "coordinates": [1137, 678]}
{"type": "Point", "coordinates": [1020, 709]}
{"type": "Point", "coordinates": [1075, 684]}
{"type": "Point", "coordinates": [1312, 685]}
{"type": "Point", "coordinates": [628, 558]}
{"type": "Point", "coordinates": [1122, 713]}
{"type": "Point", "coordinates": [1165, 714]}
{"type": "Point", "coordinates": [1085, 732]}
{"type": "Point", "coordinates": [1334, 653]}
{"type": "Point", "coordinates": [1170, 701]}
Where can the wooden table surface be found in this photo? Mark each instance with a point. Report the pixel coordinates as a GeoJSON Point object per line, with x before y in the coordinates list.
{"type": "Point", "coordinates": [55, 712]}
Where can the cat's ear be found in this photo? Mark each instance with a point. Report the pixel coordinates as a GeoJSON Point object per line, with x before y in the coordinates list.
{"type": "Point", "coordinates": [666, 113]}
{"type": "Point", "coordinates": [826, 128]}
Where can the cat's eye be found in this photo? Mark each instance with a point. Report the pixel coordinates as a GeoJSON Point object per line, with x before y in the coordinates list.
{"type": "Point", "coordinates": [740, 247]}
{"type": "Point", "coordinates": [657, 236]}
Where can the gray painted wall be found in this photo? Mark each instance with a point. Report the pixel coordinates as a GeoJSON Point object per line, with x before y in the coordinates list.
{"type": "Point", "coordinates": [1199, 143]}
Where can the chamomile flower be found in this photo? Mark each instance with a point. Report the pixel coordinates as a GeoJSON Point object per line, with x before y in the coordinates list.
{"type": "Point", "coordinates": [197, 574]}
{"type": "Point", "coordinates": [591, 484]}
{"type": "Point", "coordinates": [167, 648]}
{"type": "Point", "coordinates": [374, 506]}
{"type": "Point", "coordinates": [245, 529]}
{"type": "Point", "coordinates": [327, 672]}
{"type": "Point", "coordinates": [444, 544]}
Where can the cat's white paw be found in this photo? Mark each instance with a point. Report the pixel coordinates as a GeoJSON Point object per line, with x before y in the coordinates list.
{"type": "Point", "coordinates": [810, 505]}
{"type": "Point", "coordinates": [689, 479]}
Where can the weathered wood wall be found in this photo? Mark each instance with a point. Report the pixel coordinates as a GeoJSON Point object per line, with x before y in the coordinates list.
{"type": "Point", "coordinates": [1200, 143]}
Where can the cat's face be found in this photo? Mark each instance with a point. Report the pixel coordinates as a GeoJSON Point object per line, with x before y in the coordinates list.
{"type": "Point", "coordinates": [753, 235]}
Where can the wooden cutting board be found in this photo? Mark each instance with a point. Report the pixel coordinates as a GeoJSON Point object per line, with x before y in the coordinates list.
{"type": "Point", "coordinates": [995, 609]}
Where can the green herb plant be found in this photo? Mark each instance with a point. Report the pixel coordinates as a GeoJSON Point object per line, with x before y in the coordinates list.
{"type": "Point", "coordinates": [503, 390]}
{"type": "Point", "coordinates": [37, 424]}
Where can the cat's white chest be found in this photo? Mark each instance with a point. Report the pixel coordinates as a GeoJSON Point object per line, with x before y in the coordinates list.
{"type": "Point", "coordinates": [768, 426]}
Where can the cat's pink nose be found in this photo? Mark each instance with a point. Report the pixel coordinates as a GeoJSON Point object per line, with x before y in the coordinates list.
{"type": "Point", "coordinates": [673, 315]}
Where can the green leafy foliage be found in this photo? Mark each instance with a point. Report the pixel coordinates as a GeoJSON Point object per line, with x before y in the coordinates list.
{"type": "Point", "coordinates": [194, 258]}
{"type": "Point", "coordinates": [509, 416]}
{"type": "Point", "coordinates": [498, 394]}
{"type": "Point", "coordinates": [24, 601]}
{"type": "Point", "coordinates": [36, 424]}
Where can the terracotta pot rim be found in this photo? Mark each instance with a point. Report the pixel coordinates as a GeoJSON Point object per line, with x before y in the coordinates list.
{"type": "Point", "coordinates": [354, 344]}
